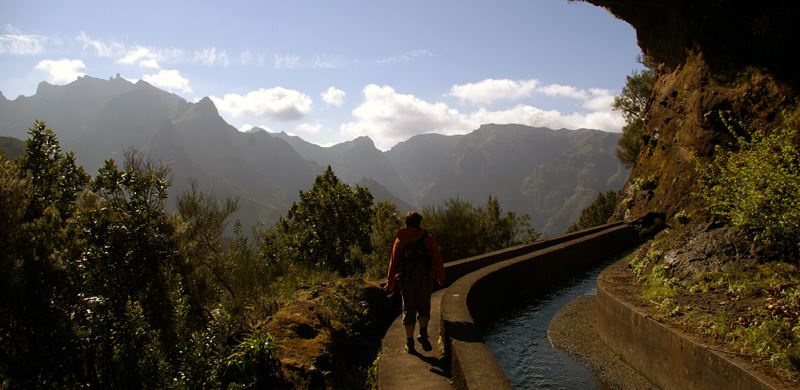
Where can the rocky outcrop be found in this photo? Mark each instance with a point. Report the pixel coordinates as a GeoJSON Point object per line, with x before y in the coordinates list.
{"type": "Point", "coordinates": [729, 57]}
{"type": "Point", "coordinates": [732, 34]}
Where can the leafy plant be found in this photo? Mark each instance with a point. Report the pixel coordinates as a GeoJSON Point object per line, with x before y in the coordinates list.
{"type": "Point", "coordinates": [330, 217]}
{"type": "Point", "coordinates": [757, 189]}
{"type": "Point", "coordinates": [464, 230]}
{"type": "Point", "coordinates": [633, 102]}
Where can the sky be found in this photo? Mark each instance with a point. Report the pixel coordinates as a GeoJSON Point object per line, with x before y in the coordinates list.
{"type": "Point", "coordinates": [330, 71]}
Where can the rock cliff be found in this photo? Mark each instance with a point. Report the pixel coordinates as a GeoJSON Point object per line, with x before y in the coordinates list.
{"type": "Point", "coordinates": [716, 56]}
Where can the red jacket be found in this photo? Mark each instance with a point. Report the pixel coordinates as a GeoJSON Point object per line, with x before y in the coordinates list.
{"type": "Point", "coordinates": [408, 235]}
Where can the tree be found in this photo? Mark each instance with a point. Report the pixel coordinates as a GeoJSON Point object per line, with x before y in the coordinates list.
{"type": "Point", "coordinates": [326, 221]}
{"type": "Point", "coordinates": [463, 230]}
{"type": "Point", "coordinates": [38, 285]}
{"type": "Point", "coordinates": [202, 219]}
{"type": "Point", "coordinates": [597, 213]}
{"type": "Point", "coordinates": [633, 103]}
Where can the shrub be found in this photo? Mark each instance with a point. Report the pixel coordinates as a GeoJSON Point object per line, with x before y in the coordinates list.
{"type": "Point", "coordinates": [757, 189]}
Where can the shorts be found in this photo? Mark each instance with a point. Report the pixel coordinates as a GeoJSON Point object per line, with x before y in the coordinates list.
{"type": "Point", "coordinates": [416, 295]}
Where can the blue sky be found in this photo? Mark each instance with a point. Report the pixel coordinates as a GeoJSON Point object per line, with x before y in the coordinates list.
{"type": "Point", "coordinates": [330, 71]}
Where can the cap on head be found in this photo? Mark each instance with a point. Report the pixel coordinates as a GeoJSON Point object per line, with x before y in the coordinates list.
{"type": "Point", "coordinates": [413, 219]}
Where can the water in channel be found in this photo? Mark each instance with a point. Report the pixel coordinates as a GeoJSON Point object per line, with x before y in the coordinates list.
{"type": "Point", "coordinates": [519, 339]}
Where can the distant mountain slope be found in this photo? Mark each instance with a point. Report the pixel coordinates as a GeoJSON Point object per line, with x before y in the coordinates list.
{"type": "Point", "coordinates": [419, 159]}
{"type": "Point", "coordinates": [100, 119]}
{"type": "Point", "coordinates": [549, 174]}
{"type": "Point", "coordinates": [380, 193]}
{"type": "Point", "coordinates": [353, 161]}
{"type": "Point", "coordinates": [12, 147]}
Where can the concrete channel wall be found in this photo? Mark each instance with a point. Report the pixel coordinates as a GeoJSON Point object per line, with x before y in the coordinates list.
{"type": "Point", "coordinates": [456, 269]}
{"type": "Point", "coordinates": [669, 358]}
{"type": "Point", "coordinates": [478, 296]}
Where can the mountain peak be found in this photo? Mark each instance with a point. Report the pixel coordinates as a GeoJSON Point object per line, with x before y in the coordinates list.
{"type": "Point", "coordinates": [207, 104]}
{"type": "Point", "coordinates": [43, 87]}
{"type": "Point", "coordinates": [363, 141]}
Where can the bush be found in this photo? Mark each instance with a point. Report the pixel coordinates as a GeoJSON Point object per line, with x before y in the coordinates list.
{"type": "Point", "coordinates": [757, 189]}
{"type": "Point", "coordinates": [330, 217]}
{"type": "Point", "coordinates": [463, 230]}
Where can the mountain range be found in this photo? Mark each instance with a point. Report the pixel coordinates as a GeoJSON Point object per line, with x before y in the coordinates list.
{"type": "Point", "coordinates": [549, 174]}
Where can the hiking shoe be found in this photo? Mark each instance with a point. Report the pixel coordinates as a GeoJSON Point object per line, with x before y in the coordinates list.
{"type": "Point", "coordinates": [426, 345]}
{"type": "Point", "coordinates": [410, 345]}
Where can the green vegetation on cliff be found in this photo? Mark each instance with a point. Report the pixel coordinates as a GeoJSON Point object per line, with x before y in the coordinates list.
{"type": "Point", "coordinates": [744, 295]}
{"type": "Point", "coordinates": [633, 102]}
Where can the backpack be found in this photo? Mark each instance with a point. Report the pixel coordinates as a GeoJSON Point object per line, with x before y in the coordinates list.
{"type": "Point", "coordinates": [415, 261]}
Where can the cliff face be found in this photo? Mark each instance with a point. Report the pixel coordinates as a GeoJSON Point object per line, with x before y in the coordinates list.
{"type": "Point", "coordinates": [716, 56]}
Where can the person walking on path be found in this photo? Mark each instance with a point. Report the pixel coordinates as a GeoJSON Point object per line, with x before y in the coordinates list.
{"type": "Point", "coordinates": [415, 262]}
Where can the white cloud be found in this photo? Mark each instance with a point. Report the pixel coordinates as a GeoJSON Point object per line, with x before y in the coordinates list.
{"type": "Point", "coordinates": [107, 49]}
{"type": "Point", "coordinates": [599, 100]}
{"type": "Point", "coordinates": [308, 128]}
{"type": "Point", "coordinates": [17, 43]}
{"type": "Point", "coordinates": [245, 57]}
{"type": "Point", "coordinates": [63, 70]}
{"type": "Point", "coordinates": [145, 57]}
{"type": "Point", "coordinates": [333, 96]}
{"type": "Point", "coordinates": [286, 61]}
{"type": "Point", "coordinates": [168, 79]}
{"type": "Point", "coordinates": [211, 56]}
{"type": "Point", "coordinates": [563, 91]}
{"type": "Point", "coordinates": [274, 103]}
{"type": "Point", "coordinates": [490, 90]}
{"type": "Point", "coordinates": [537, 117]}
{"type": "Point", "coordinates": [405, 57]}
{"type": "Point", "coordinates": [326, 61]}
{"type": "Point", "coordinates": [389, 117]}
{"type": "Point", "coordinates": [245, 127]}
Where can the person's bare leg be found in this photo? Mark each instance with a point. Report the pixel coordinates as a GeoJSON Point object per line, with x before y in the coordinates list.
{"type": "Point", "coordinates": [423, 333]}
{"type": "Point", "coordinates": [409, 338]}
{"type": "Point", "coordinates": [409, 330]}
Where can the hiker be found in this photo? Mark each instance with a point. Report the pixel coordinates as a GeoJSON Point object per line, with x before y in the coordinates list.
{"type": "Point", "coordinates": [415, 261]}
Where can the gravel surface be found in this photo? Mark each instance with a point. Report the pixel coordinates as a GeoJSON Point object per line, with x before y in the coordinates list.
{"type": "Point", "coordinates": [573, 330]}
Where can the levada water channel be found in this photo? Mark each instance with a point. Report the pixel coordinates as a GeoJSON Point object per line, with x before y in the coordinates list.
{"type": "Point", "coordinates": [518, 338]}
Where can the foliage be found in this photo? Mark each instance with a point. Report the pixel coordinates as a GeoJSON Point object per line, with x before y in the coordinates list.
{"type": "Point", "coordinates": [770, 328]}
{"type": "Point", "coordinates": [93, 281]}
{"type": "Point", "coordinates": [102, 287]}
{"type": "Point", "coordinates": [252, 363]}
{"type": "Point", "coordinates": [38, 294]}
{"type": "Point", "coordinates": [597, 213]}
{"type": "Point", "coordinates": [633, 102]}
{"type": "Point", "coordinates": [464, 230]}
{"type": "Point", "coordinates": [682, 217]}
{"type": "Point", "coordinates": [201, 222]}
{"type": "Point", "coordinates": [330, 217]}
{"type": "Point", "coordinates": [757, 189]}
{"type": "Point", "coordinates": [385, 223]}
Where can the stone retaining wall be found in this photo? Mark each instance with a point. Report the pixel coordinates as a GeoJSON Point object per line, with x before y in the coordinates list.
{"type": "Point", "coordinates": [667, 357]}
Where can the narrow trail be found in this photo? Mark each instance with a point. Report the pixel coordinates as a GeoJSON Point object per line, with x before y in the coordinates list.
{"type": "Point", "coordinates": [398, 369]}
{"type": "Point", "coordinates": [420, 370]}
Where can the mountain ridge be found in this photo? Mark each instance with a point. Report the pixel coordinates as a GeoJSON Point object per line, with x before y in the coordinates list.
{"type": "Point", "coordinates": [520, 165]}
